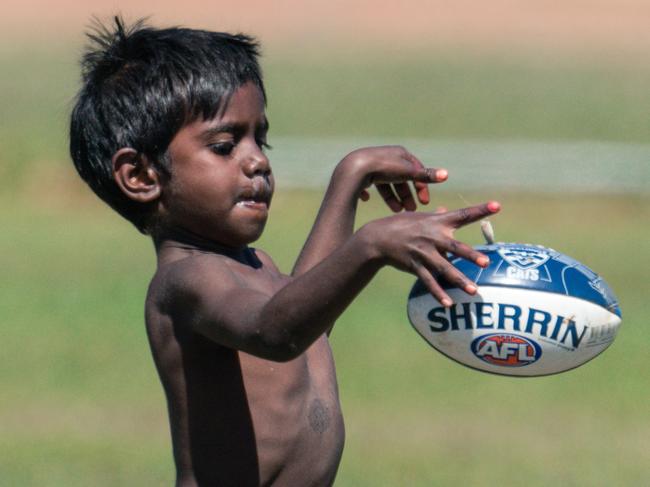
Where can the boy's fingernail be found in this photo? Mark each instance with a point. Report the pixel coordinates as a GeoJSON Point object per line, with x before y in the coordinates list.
{"type": "Point", "coordinates": [446, 302]}
{"type": "Point", "coordinates": [471, 288]}
{"type": "Point", "coordinates": [483, 261]}
{"type": "Point", "coordinates": [441, 174]}
{"type": "Point", "coordinates": [493, 206]}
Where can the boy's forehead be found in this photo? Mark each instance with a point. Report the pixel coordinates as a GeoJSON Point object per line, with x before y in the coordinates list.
{"type": "Point", "coordinates": [243, 110]}
{"type": "Point", "coordinates": [247, 99]}
{"type": "Point", "coordinates": [244, 107]}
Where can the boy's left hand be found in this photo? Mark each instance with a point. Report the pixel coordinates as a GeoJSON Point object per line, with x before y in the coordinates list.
{"type": "Point", "coordinates": [390, 168]}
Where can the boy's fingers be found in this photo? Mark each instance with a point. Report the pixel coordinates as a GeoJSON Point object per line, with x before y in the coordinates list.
{"type": "Point", "coordinates": [423, 176]}
{"type": "Point", "coordinates": [467, 252]}
{"type": "Point", "coordinates": [404, 193]}
{"type": "Point", "coordinates": [426, 174]}
{"type": "Point", "coordinates": [422, 192]}
{"type": "Point", "coordinates": [459, 218]}
{"type": "Point", "coordinates": [453, 276]}
{"type": "Point", "coordinates": [432, 285]}
{"type": "Point", "coordinates": [391, 200]}
{"type": "Point", "coordinates": [430, 175]}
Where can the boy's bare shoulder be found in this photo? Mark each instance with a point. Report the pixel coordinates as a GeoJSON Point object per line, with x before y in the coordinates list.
{"type": "Point", "coordinates": [215, 295]}
{"type": "Point", "coordinates": [183, 278]}
{"type": "Point", "coordinates": [201, 271]}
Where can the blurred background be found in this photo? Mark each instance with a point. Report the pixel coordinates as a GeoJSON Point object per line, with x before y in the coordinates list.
{"type": "Point", "coordinates": [541, 105]}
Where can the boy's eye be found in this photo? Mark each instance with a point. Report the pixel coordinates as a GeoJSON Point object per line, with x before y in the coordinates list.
{"type": "Point", "coordinates": [222, 148]}
{"type": "Point", "coordinates": [263, 144]}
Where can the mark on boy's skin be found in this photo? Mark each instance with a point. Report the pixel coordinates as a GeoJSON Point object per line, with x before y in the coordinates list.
{"type": "Point", "coordinates": [319, 417]}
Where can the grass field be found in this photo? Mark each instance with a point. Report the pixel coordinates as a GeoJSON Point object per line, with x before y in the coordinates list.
{"type": "Point", "coordinates": [428, 95]}
{"type": "Point", "coordinates": [82, 404]}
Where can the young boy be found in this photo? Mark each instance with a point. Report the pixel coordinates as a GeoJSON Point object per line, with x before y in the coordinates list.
{"type": "Point", "coordinates": [169, 129]}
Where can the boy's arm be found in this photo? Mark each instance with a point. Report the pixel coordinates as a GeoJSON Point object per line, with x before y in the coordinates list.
{"type": "Point", "coordinates": [283, 324]}
{"type": "Point", "coordinates": [390, 168]}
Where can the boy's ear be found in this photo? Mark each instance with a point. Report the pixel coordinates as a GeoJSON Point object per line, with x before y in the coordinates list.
{"type": "Point", "coordinates": [136, 176]}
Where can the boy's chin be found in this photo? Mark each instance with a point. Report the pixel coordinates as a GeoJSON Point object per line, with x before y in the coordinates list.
{"type": "Point", "coordinates": [255, 235]}
{"type": "Point", "coordinates": [241, 238]}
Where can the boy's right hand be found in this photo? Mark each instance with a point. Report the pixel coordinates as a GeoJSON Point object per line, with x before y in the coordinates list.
{"type": "Point", "coordinates": [419, 242]}
{"type": "Point", "coordinates": [390, 168]}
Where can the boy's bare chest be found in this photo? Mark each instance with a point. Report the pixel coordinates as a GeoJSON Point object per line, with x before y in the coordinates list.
{"type": "Point", "coordinates": [311, 373]}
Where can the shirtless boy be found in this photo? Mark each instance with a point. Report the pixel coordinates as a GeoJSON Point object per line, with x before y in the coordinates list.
{"type": "Point", "coordinates": [169, 129]}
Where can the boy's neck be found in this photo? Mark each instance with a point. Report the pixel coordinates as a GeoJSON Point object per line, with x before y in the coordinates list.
{"type": "Point", "coordinates": [172, 241]}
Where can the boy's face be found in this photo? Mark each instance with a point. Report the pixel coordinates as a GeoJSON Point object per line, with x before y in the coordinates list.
{"type": "Point", "coordinates": [221, 184]}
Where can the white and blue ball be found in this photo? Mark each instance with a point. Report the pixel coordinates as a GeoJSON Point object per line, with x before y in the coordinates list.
{"type": "Point", "coordinates": [537, 312]}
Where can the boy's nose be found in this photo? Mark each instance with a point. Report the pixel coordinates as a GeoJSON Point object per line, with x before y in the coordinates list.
{"type": "Point", "coordinates": [256, 164]}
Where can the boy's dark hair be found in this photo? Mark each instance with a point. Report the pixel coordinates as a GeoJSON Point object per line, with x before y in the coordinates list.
{"type": "Point", "coordinates": [140, 86]}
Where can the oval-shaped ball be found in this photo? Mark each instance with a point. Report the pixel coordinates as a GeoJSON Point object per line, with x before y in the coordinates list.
{"type": "Point", "coordinates": [537, 312]}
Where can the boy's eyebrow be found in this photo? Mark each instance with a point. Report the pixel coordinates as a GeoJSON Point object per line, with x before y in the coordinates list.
{"type": "Point", "coordinates": [231, 128]}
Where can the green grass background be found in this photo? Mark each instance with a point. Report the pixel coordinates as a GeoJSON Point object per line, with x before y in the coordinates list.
{"type": "Point", "coordinates": [418, 94]}
{"type": "Point", "coordinates": [81, 403]}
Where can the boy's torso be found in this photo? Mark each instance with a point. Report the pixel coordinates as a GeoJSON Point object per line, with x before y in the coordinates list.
{"type": "Point", "coordinates": [237, 419]}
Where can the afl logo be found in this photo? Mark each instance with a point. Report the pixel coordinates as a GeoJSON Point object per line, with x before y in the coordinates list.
{"type": "Point", "coordinates": [506, 350]}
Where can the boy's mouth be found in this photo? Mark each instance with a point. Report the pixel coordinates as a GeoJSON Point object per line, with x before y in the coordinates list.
{"type": "Point", "coordinates": [252, 203]}
{"type": "Point", "coordinates": [256, 196]}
